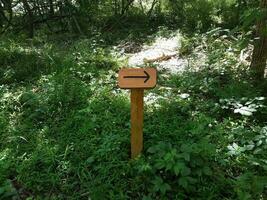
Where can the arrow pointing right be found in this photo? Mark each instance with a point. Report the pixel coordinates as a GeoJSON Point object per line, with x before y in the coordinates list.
{"type": "Point", "coordinates": [147, 76]}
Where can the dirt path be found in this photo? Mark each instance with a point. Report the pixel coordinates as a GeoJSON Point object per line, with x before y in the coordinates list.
{"type": "Point", "coordinates": [164, 52]}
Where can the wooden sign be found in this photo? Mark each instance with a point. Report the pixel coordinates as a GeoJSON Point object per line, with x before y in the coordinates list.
{"type": "Point", "coordinates": [137, 80]}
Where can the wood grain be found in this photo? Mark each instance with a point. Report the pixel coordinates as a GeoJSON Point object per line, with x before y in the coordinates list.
{"type": "Point", "coordinates": [142, 82]}
{"type": "Point", "coordinates": [137, 107]}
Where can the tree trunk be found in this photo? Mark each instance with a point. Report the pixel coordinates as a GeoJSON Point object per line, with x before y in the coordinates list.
{"type": "Point", "coordinates": [125, 6]}
{"type": "Point", "coordinates": [6, 15]}
{"type": "Point", "coordinates": [2, 15]}
{"type": "Point", "coordinates": [149, 13]}
{"type": "Point", "coordinates": [51, 8]}
{"type": "Point", "coordinates": [116, 7]}
{"type": "Point", "coordinates": [30, 17]}
{"type": "Point", "coordinates": [259, 56]}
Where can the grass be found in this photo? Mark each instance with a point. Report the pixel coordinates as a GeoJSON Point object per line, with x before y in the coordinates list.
{"type": "Point", "coordinates": [64, 127]}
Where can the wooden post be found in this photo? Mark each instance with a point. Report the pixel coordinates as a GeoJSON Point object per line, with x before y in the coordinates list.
{"type": "Point", "coordinates": [137, 79]}
{"type": "Point", "coordinates": [137, 118]}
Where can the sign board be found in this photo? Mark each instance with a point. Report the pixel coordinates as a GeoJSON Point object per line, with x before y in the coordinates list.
{"type": "Point", "coordinates": [144, 78]}
{"type": "Point", "coordinates": [137, 80]}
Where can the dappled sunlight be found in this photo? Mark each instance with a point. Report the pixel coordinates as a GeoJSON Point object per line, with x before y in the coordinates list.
{"type": "Point", "coordinates": [132, 100]}
{"type": "Point", "coordinates": [163, 51]}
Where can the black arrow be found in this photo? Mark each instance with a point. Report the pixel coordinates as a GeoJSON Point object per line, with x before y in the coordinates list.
{"type": "Point", "coordinates": [147, 77]}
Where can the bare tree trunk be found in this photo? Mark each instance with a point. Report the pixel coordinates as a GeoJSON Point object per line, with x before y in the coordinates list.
{"type": "Point", "coordinates": [151, 8]}
{"type": "Point", "coordinates": [122, 6]}
{"type": "Point", "coordinates": [125, 6]}
{"type": "Point", "coordinates": [77, 25]}
{"type": "Point", "coordinates": [51, 8]}
{"type": "Point", "coordinates": [116, 7]}
{"type": "Point", "coordinates": [2, 15]}
{"type": "Point", "coordinates": [6, 15]}
{"type": "Point", "coordinates": [30, 18]}
{"type": "Point", "coordinates": [259, 56]}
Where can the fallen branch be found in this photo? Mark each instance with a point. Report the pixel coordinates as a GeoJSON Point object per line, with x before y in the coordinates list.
{"type": "Point", "coordinates": [159, 59]}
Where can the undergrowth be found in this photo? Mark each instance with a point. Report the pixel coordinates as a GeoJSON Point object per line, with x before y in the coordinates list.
{"type": "Point", "coordinates": [64, 126]}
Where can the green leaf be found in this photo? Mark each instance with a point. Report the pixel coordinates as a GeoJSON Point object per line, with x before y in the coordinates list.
{"type": "Point", "coordinates": [160, 164]}
{"type": "Point", "coordinates": [207, 171]}
{"type": "Point", "coordinates": [159, 185]}
{"type": "Point", "coordinates": [176, 170]}
{"type": "Point", "coordinates": [250, 147]}
{"type": "Point", "coordinates": [152, 149]}
{"type": "Point", "coordinates": [191, 180]}
{"type": "Point", "coordinates": [146, 198]}
{"type": "Point", "coordinates": [243, 195]}
{"type": "Point", "coordinates": [90, 160]}
{"type": "Point", "coordinates": [183, 182]}
{"type": "Point", "coordinates": [164, 188]}
{"type": "Point", "coordinates": [169, 165]}
{"type": "Point", "coordinates": [246, 111]}
{"type": "Point", "coordinates": [186, 148]}
{"type": "Point", "coordinates": [186, 156]}
{"type": "Point", "coordinates": [259, 143]}
{"type": "Point", "coordinates": [185, 171]}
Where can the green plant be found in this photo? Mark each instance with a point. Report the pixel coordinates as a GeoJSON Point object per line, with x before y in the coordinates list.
{"type": "Point", "coordinates": [178, 169]}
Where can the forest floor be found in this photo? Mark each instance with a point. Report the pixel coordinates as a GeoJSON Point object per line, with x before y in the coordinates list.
{"type": "Point", "coordinates": [65, 129]}
{"type": "Point", "coordinates": [163, 51]}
